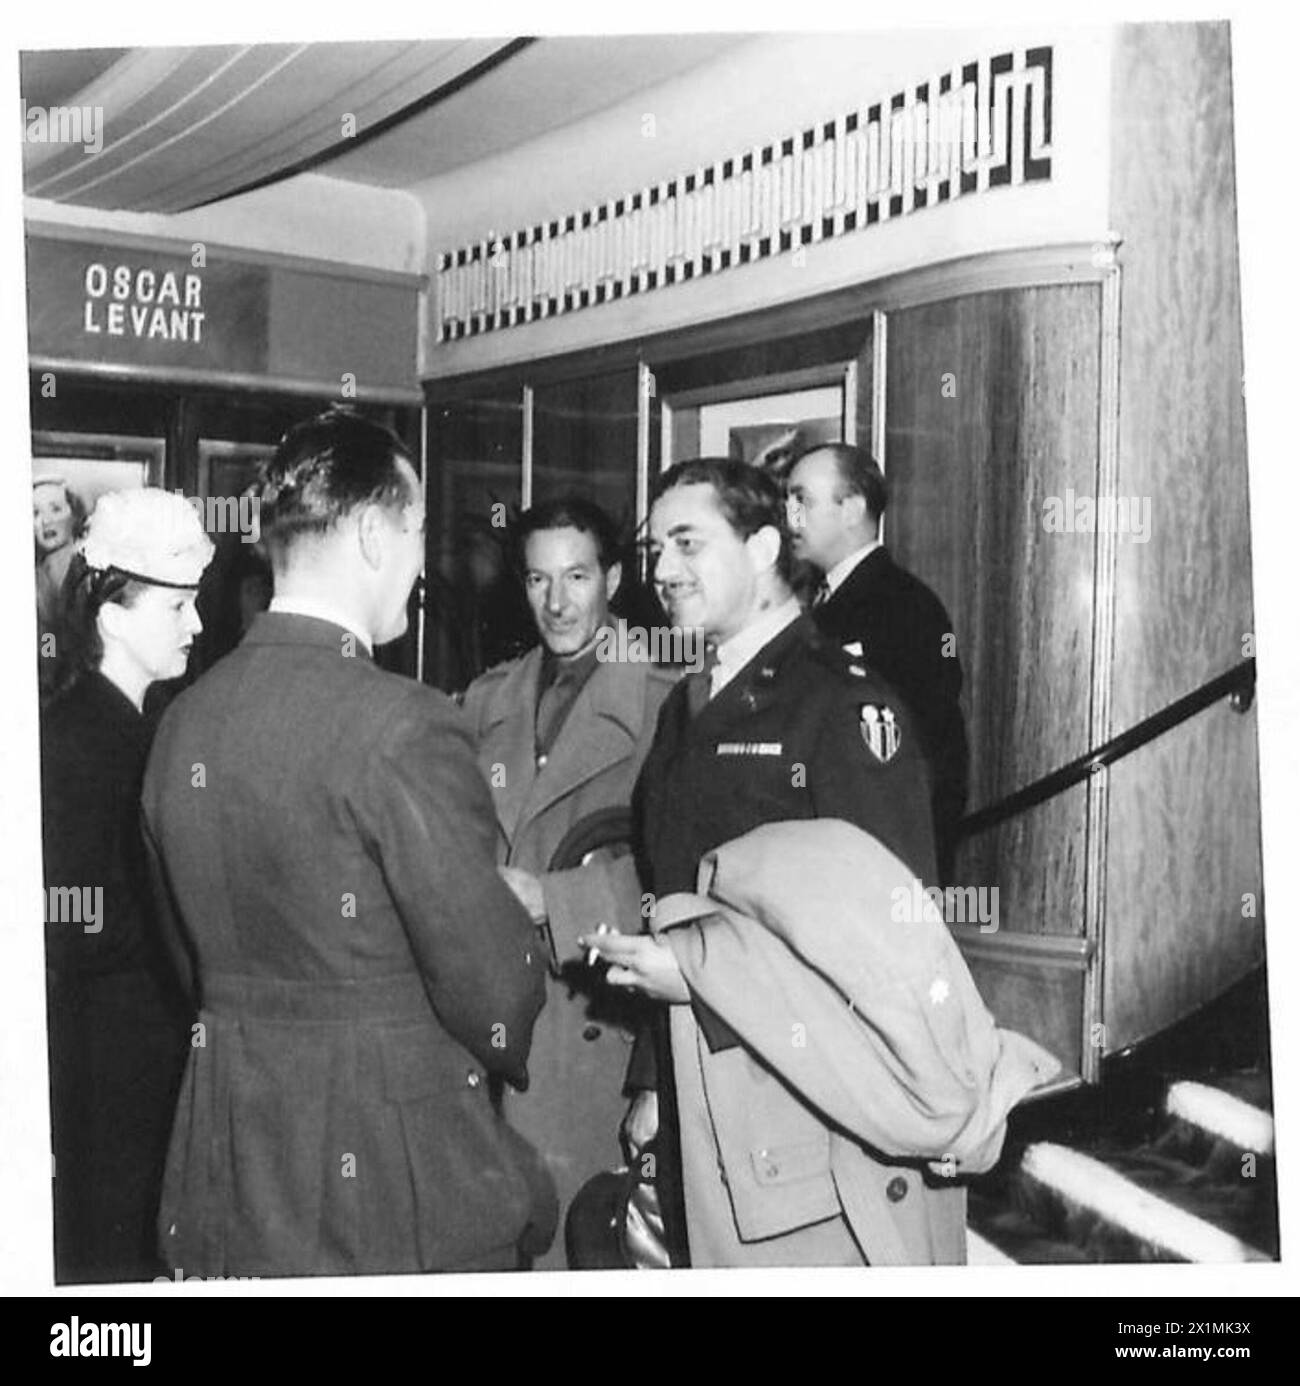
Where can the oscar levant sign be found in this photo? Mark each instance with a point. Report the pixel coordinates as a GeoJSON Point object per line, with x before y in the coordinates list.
{"type": "Point", "coordinates": [128, 307]}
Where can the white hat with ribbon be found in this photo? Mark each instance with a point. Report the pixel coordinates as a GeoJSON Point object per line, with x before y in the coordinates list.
{"type": "Point", "coordinates": [150, 535]}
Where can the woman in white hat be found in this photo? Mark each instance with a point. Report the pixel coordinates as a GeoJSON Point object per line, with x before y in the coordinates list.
{"type": "Point", "coordinates": [119, 1026]}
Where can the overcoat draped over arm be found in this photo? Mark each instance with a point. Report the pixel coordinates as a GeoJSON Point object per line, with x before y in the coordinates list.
{"type": "Point", "coordinates": [870, 1077]}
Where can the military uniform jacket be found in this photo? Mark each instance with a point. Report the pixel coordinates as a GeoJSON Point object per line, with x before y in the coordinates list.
{"type": "Point", "coordinates": [575, 1100]}
{"type": "Point", "coordinates": [898, 626]}
{"type": "Point", "coordinates": [800, 732]}
{"type": "Point", "coordinates": [323, 844]}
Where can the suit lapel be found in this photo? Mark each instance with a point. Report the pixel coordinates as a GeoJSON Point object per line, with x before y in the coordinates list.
{"type": "Point", "coordinates": [602, 728]}
{"type": "Point", "coordinates": [847, 612]}
{"type": "Point", "coordinates": [509, 739]}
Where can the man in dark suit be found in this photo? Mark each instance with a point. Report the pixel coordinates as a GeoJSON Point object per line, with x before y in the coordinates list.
{"type": "Point", "coordinates": [562, 732]}
{"type": "Point", "coordinates": [880, 613]}
{"type": "Point", "coordinates": [779, 726]}
{"type": "Point", "coordinates": [322, 843]}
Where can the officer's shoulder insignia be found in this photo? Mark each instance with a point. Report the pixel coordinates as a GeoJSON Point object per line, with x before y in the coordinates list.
{"type": "Point", "coordinates": [881, 733]}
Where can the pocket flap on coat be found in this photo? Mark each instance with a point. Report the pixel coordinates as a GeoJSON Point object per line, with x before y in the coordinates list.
{"type": "Point", "coordinates": [787, 1164]}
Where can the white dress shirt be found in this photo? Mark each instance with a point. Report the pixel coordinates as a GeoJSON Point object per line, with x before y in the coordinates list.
{"type": "Point", "coordinates": [735, 653]}
{"type": "Point", "coordinates": [837, 575]}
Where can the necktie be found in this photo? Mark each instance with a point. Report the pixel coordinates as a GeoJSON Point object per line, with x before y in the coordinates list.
{"type": "Point", "coordinates": [699, 684]}
{"type": "Point", "coordinates": [552, 708]}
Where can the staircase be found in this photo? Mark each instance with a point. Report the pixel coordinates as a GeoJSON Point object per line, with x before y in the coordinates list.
{"type": "Point", "coordinates": [1170, 1159]}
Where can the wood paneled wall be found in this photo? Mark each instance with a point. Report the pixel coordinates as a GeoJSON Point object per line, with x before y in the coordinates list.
{"type": "Point", "coordinates": [1183, 840]}
{"type": "Point", "coordinates": [1182, 851]}
{"type": "Point", "coordinates": [992, 408]}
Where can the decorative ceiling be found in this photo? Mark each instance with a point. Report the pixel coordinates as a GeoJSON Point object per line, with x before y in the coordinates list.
{"type": "Point", "coordinates": [179, 127]}
{"type": "Point", "coordinates": [170, 129]}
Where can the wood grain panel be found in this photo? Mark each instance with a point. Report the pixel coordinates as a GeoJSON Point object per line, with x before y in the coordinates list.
{"type": "Point", "coordinates": [1036, 998]}
{"type": "Point", "coordinates": [992, 407]}
{"type": "Point", "coordinates": [969, 470]}
{"type": "Point", "coordinates": [1036, 860]}
{"type": "Point", "coordinates": [1183, 837]}
{"type": "Point", "coordinates": [1184, 597]}
{"type": "Point", "coordinates": [1183, 847]}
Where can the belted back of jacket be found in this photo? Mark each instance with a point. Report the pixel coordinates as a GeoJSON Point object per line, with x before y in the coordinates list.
{"type": "Point", "coordinates": [870, 1068]}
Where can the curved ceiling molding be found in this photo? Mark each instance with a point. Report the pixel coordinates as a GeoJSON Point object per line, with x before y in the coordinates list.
{"type": "Point", "coordinates": [183, 127]}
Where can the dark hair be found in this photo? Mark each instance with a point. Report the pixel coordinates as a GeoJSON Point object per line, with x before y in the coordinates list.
{"type": "Point", "coordinates": [749, 497]}
{"type": "Point", "coordinates": [322, 470]}
{"type": "Point", "coordinates": [568, 512]}
{"type": "Point", "coordinates": [85, 592]}
{"type": "Point", "coordinates": [858, 472]}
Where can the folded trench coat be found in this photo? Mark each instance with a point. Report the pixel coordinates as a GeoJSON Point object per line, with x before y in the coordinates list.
{"type": "Point", "coordinates": [870, 1077]}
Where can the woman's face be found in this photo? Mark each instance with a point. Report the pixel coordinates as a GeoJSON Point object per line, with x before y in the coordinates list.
{"type": "Point", "coordinates": [52, 518]}
{"type": "Point", "coordinates": [157, 629]}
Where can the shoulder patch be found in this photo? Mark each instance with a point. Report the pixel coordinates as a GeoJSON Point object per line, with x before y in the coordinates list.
{"type": "Point", "coordinates": [881, 730]}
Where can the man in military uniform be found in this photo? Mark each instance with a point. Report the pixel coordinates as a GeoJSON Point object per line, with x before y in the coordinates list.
{"type": "Point", "coordinates": [561, 734]}
{"type": "Point", "coordinates": [322, 850]}
{"type": "Point", "coordinates": [778, 726]}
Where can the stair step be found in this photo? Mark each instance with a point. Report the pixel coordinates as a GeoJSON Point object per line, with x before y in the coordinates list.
{"type": "Point", "coordinates": [1222, 1115]}
{"type": "Point", "coordinates": [1087, 1183]}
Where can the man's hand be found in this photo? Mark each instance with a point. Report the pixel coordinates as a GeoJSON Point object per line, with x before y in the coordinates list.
{"type": "Point", "coordinates": [641, 1124]}
{"type": "Point", "coordinates": [527, 889]}
{"type": "Point", "coordinates": [642, 962]}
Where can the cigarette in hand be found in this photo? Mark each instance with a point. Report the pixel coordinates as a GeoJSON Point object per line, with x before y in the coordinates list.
{"type": "Point", "coordinates": [594, 953]}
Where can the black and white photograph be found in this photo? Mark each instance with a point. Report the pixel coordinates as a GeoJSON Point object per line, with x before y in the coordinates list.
{"type": "Point", "coordinates": [649, 653]}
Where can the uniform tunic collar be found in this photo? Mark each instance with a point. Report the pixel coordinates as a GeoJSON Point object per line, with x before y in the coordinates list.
{"type": "Point", "coordinates": [735, 653]}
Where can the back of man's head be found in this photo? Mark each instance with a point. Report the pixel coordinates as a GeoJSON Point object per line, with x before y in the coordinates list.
{"type": "Point", "coordinates": [749, 497]}
{"type": "Point", "coordinates": [322, 470]}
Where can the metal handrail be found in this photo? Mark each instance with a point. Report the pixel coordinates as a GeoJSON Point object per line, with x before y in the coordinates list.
{"type": "Point", "coordinates": [1238, 683]}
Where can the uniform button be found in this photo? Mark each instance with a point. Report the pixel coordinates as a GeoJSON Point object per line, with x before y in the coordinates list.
{"type": "Point", "coordinates": [528, 956]}
{"type": "Point", "coordinates": [591, 1032]}
{"type": "Point", "coordinates": [472, 1079]}
{"type": "Point", "coordinates": [541, 760]}
{"type": "Point", "coordinates": [896, 1189]}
